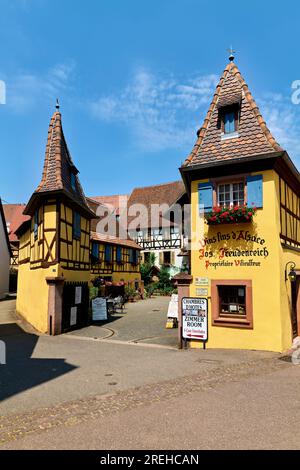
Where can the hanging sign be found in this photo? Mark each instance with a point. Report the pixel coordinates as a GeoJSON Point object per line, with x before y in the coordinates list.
{"type": "Point", "coordinates": [194, 318]}
{"type": "Point", "coordinates": [99, 308]}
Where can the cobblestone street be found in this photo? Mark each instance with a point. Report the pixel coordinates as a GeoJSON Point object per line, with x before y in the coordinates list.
{"type": "Point", "coordinates": [75, 391]}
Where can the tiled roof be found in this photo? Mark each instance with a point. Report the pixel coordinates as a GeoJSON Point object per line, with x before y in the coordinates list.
{"type": "Point", "coordinates": [58, 166]}
{"type": "Point", "coordinates": [14, 218]}
{"type": "Point", "coordinates": [96, 236]}
{"type": "Point", "coordinates": [161, 194]}
{"type": "Point", "coordinates": [254, 136]}
{"type": "Point", "coordinates": [167, 193]}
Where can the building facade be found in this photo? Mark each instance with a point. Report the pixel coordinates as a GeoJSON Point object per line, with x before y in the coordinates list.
{"type": "Point", "coordinates": [245, 230]}
{"type": "Point", "coordinates": [55, 244]}
{"type": "Point", "coordinates": [147, 218]}
{"type": "Point", "coordinates": [5, 255]}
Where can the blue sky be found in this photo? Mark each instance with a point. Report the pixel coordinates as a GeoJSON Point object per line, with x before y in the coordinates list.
{"type": "Point", "coordinates": [134, 79]}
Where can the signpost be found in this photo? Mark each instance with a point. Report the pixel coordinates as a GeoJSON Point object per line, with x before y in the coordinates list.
{"type": "Point", "coordinates": [194, 319]}
{"type": "Point", "coordinates": [99, 308]}
{"type": "Point", "coordinates": [173, 307]}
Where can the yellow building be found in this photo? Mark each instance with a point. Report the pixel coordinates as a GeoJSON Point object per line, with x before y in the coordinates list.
{"type": "Point", "coordinates": [115, 260]}
{"type": "Point", "coordinates": [245, 247]}
{"type": "Point", "coordinates": [55, 244]}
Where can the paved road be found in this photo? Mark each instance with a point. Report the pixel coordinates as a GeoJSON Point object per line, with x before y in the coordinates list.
{"type": "Point", "coordinates": [249, 405]}
{"type": "Point", "coordinates": [77, 392]}
{"type": "Point", "coordinates": [142, 322]}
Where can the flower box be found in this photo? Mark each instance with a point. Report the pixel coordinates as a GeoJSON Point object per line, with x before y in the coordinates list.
{"type": "Point", "coordinates": [230, 215]}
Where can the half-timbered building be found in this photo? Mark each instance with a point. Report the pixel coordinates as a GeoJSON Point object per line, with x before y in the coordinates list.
{"type": "Point", "coordinates": [5, 255]}
{"type": "Point", "coordinates": [245, 252]}
{"type": "Point", "coordinates": [57, 251]}
{"type": "Point", "coordinates": [146, 216]}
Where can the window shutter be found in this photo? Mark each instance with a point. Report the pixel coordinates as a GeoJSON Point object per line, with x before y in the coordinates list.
{"type": "Point", "coordinates": [205, 196]}
{"type": "Point", "coordinates": [173, 260]}
{"type": "Point", "coordinates": [255, 190]}
{"type": "Point", "coordinates": [107, 254]}
{"type": "Point", "coordinates": [161, 258]}
{"type": "Point", "coordinates": [95, 250]}
{"type": "Point", "coordinates": [119, 254]}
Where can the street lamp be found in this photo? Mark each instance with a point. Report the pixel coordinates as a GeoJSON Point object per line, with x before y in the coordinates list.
{"type": "Point", "coordinates": [292, 275]}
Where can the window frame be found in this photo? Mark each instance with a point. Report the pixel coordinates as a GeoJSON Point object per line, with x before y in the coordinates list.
{"type": "Point", "coordinates": [231, 191]}
{"type": "Point", "coordinates": [36, 224]}
{"type": "Point", "coordinates": [76, 225]}
{"type": "Point", "coordinates": [228, 180]}
{"type": "Point", "coordinates": [95, 258]}
{"type": "Point", "coordinates": [73, 181]}
{"type": "Point", "coordinates": [235, 320]}
{"type": "Point", "coordinates": [233, 109]}
{"type": "Point", "coordinates": [119, 254]}
{"type": "Point", "coordinates": [108, 260]}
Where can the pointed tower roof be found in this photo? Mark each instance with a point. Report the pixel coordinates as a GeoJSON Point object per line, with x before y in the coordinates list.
{"type": "Point", "coordinates": [59, 172]}
{"type": "Point", "coordinates": [254, 137]}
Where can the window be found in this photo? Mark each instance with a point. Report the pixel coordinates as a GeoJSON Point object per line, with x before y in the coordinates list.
{"type": "Point", "coordinates": [229, 123]}
{"type": "Point", "coordinates": [133, 256]}
{"type": "Point", "coordinates": [231, 194]}
{"type": "Point", "coordinates": [108, 254]}
{"type": "Point", "coordinates": [76, 226]}
{"type": "Point", "coordinates": [232, 300]}
{"type": "Point", "coordinates": [167, 257]}
{"type": "Point", "coordinates": [73, 181]}
{"type": "Point", "coordinates": [36, 223]}
{"type": "Point", "coordinates": [119, 254]}
{"type": "Point", "coordinates": [95, 252]}
{"type": "Point", "coordinates": [232, 303]}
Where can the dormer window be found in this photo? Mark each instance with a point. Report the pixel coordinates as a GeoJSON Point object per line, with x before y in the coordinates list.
{"type": "Point", "coordinates": [229, 121]}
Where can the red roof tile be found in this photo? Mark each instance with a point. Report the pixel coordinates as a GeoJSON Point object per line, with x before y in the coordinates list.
{"type": "Point", "coordinates": [14, 218]}
{"type": "Point", "coordinates": [96, 236]}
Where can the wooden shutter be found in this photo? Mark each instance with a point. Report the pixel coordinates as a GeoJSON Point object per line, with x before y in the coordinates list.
{"type": "Point", "coordinates": [173, 258]}
{"type": "Point", "coordinates": [107, 254]}
{"type": "Point", "coordinates": [161, 258]}
{"type": "Point", "coordinates": [255, 191]}
{"type": "Point", "coordinates": [205, 196]}
{"type": "Point", "coordinates": [119, 254]}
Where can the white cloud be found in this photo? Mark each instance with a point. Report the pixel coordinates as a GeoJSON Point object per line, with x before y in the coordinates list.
{"type": "Point", "coordinates": [165, 112]}
{"type": "Point", "coordinates": [283, 120]}
{"type": "Point", "coordinates": [26, 90]}
{"type": "Point", "coordinates": [159, 112]}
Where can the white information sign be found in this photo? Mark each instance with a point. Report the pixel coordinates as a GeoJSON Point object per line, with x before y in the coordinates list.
{"type": "Point", "coordinates": [99, 308]}
{"type": "Point", "coordinates": [78, 295]}
{"type": "Point", "coordinates": [202, 292]}
{"type": "Point", "coordinates": [194, 318]}
{"type": "Point", "coordinates": [201, 281]}
{"type": "Point", "coordinates": [73, 317]}
{"type": "Point", "coordinates": [173, 307]}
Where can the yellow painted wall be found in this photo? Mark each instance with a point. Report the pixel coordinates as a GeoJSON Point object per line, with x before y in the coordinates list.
{"type": "Point", "coordinates": [271, 317]}
{"type": "Point", "coordinates": [32, 295]}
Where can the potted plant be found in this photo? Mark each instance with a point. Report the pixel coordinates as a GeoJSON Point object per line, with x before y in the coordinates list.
{"type": "Point", "coordinates": [230, 215]}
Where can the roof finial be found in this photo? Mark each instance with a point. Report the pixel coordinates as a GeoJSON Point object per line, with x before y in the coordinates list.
{"type": "Point", "coordinates": [57, 104]}
{"type": "Point", "coordinates": [231, 52]}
